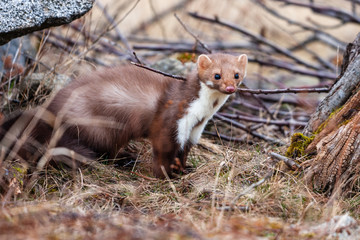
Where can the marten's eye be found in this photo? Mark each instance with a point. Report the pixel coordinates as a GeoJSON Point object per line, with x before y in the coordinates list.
{"type": "Point", "coordinates": [217, 76]}
{"type": "Point", "coordinates": [236, 76]}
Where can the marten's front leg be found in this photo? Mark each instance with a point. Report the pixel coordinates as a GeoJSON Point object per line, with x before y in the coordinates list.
{"type": "Point", "coordinates": [181, 158]}
{"type": "Point", "coordinates": [164, 151]}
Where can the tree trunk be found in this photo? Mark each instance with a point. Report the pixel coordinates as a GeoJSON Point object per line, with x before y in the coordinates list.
{"type": "Point", "coordinates": [336, 129]}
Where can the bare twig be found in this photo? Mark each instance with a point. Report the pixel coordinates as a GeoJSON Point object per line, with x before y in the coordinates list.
{"type": "Point", "coordinates": [137, 59]}
{"type": "Point", "coordinates": [143, 176]}
{"type": "Point", "coordinates": [287, 90]}
{"type": "Point", "coordinates": [316, 31]}
{"type": "Point", "coordinates": [290, 163]}
{"type": "Point", "coordinates": [228, 138]}
{"type": "Point", "coordinates": [146, 43]}
{"type": "Point", "coordinates": [254, 36]}
{"type": "Point", "coordinates": [277, 112]}
{"type": "Point", "coordinates": [267, 176]}
{"type": "Point", "coordinates": [266, 121]}
{"type": "Point", "coordinates": [160, 72]}
{"type": "Point", "coordinates": [293, 68]}
{"type": "Point", "coordinates": [325, 10]}
{"type": "Point", "coordinates": [246, 129]}
{"type": "Point", "coordinates": [260, 102]}
{"type": "Point", "coordinates": [69, 49]}
{"type": "Point", "coordinates": [160, 15]}
{"type": "Point", "coordinates": [251, 187]}
{"type": "Point", "coordinates": [114, 25]}
{"type": "Point", "coordinates": [111, 20]}
{"type": "Point", "coordinates": [193, 35]}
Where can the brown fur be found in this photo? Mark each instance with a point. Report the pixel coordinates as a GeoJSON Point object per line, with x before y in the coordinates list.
{"type": "Point", "coordinates": [101, 112]}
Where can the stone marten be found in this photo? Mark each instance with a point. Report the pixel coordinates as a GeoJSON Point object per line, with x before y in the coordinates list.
{"type": "Point", "coordinates": [99, 113]}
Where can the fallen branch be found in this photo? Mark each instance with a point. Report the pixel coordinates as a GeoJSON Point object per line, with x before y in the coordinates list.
{"type": "Point", "coordinates": [251, 187]}
{"type": "Point", "coordinates": [267, 176]}
{"type": "Point", "coordinates": [290, 163]}
{"type": "Point", "coordinates": [143, 176]}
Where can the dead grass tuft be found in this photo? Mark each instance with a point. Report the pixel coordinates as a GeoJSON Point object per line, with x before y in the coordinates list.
{"type": "Point", "coordinates": [121, 199]}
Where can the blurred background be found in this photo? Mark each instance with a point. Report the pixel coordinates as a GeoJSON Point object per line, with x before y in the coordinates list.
{"type": "Point", "coordinates": [295, 44]}
{"type": "Point", "coordinates": [290, 43]}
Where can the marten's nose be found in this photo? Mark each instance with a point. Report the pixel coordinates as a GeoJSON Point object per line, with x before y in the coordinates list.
{"type": "Point", "coordinates": [230, 89]}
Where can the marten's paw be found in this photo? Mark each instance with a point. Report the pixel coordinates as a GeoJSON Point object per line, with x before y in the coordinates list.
{"type": "Point", "coordinates": [177, 166]}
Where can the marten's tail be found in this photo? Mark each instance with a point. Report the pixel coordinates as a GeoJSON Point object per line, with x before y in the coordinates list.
{"type": "Point", "coordinates": [30, 137]}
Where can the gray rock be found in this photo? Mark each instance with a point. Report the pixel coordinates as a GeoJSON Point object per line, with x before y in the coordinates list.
{"type": "Point", "coordinates": [174, 66]}
{"type": "Point", "coordinates": [20, 17]}
{"type": "Point", "coordinates": [339, 227]}
{"type": "Point", "coordinates": [46, 81]}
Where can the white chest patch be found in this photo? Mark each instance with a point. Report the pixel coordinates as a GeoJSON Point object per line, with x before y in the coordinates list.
{"type": "Point", "coordinates": [200, 110]}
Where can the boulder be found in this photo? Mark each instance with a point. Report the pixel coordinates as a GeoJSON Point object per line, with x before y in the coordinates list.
{"type": "Point", "coordinates": [20, 17]}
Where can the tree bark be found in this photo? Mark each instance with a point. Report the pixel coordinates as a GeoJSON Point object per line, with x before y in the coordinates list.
{"type": "Point", "coordinates": [336, 129]}
{"type": "Point", "coordinates": [345, 86]}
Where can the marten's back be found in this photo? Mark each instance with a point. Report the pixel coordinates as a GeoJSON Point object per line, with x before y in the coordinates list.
{"type": "Point", "coordinates": [96, 113]}
{"type": "Point", "coordinates": [112, 105]}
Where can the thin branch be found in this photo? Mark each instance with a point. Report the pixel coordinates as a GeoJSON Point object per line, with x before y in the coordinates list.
{"type": "Point", "coordinates": [290, 163]}
{"type": "Point", "coordinates": [287, 90]}
{"type": "Point", "coordinates": [262, 120]}
{"type": "Point", "coordinates": [246, 129]}
{"type": "Point", "coordinates": [254, 36]}
{"type": "Point", "coordinates": [325, 10]}
{"type": "Point", "coordinates": [176, 48]}
{"type": "Point", "coordinates": [165, 45]}
{"type": "Point", "coordinates": [111, 20]}
{"type": "Point", "coordinates": [268, 175]}
{"type": "Point", "coordinates": [143, 176]}
{"type": "Point", "coordinates": [261, 103]}
{"type": "Point", "coordinates": [160, 15]}
{"type": "Point", "coordinates": [137, 59]}
{"type": "Point", "coordinates": [277, 112]}
{"type": "Point", "coordinates": [228, 138]}
{"type": "Point", "coordinates": [160, 72]}
{"type": "Point", "coordinates": [192, 34]}
{"type": "Point", "coordinates": [303, 26]}
{"type": "Point", "coordinates": [251, 187]}
{"type": "Point", "coordinates": [354, 1]}
{"type": "Point", "coordinates": [293, 68]}
{"type": "Point", "coordinates": [114, 25]}
{"type": "Point", "coordinates": [62, 46]}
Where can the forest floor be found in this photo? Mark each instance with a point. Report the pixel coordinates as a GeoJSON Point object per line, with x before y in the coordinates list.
{"type": "Point", "coordinates": [108, 201]}
{"type": "Point", "coordinates": [230, 191]}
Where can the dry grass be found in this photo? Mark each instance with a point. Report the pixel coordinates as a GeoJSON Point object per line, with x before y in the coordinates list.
{"type": "Point", "coordinates": [105, 200]}
{"type": "Point", "coordinates": [111, 201]}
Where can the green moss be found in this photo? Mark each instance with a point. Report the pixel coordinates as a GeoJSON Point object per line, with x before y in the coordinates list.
{"type": "Point", "coordinates": [323, 125]}
{"type": "Point", "coordinates": [20, 169]}
{"type": "Point", "coordinates": [299, 143]}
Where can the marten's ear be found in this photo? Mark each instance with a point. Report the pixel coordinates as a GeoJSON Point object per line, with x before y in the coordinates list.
{"type": "Point", "coordinates": [203, 62]}
{"type": "Point", "coordinates": [243, 60]}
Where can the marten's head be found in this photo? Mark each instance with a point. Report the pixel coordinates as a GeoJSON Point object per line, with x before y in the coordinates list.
{"type": "Point", "coordinates": [222, 72]}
